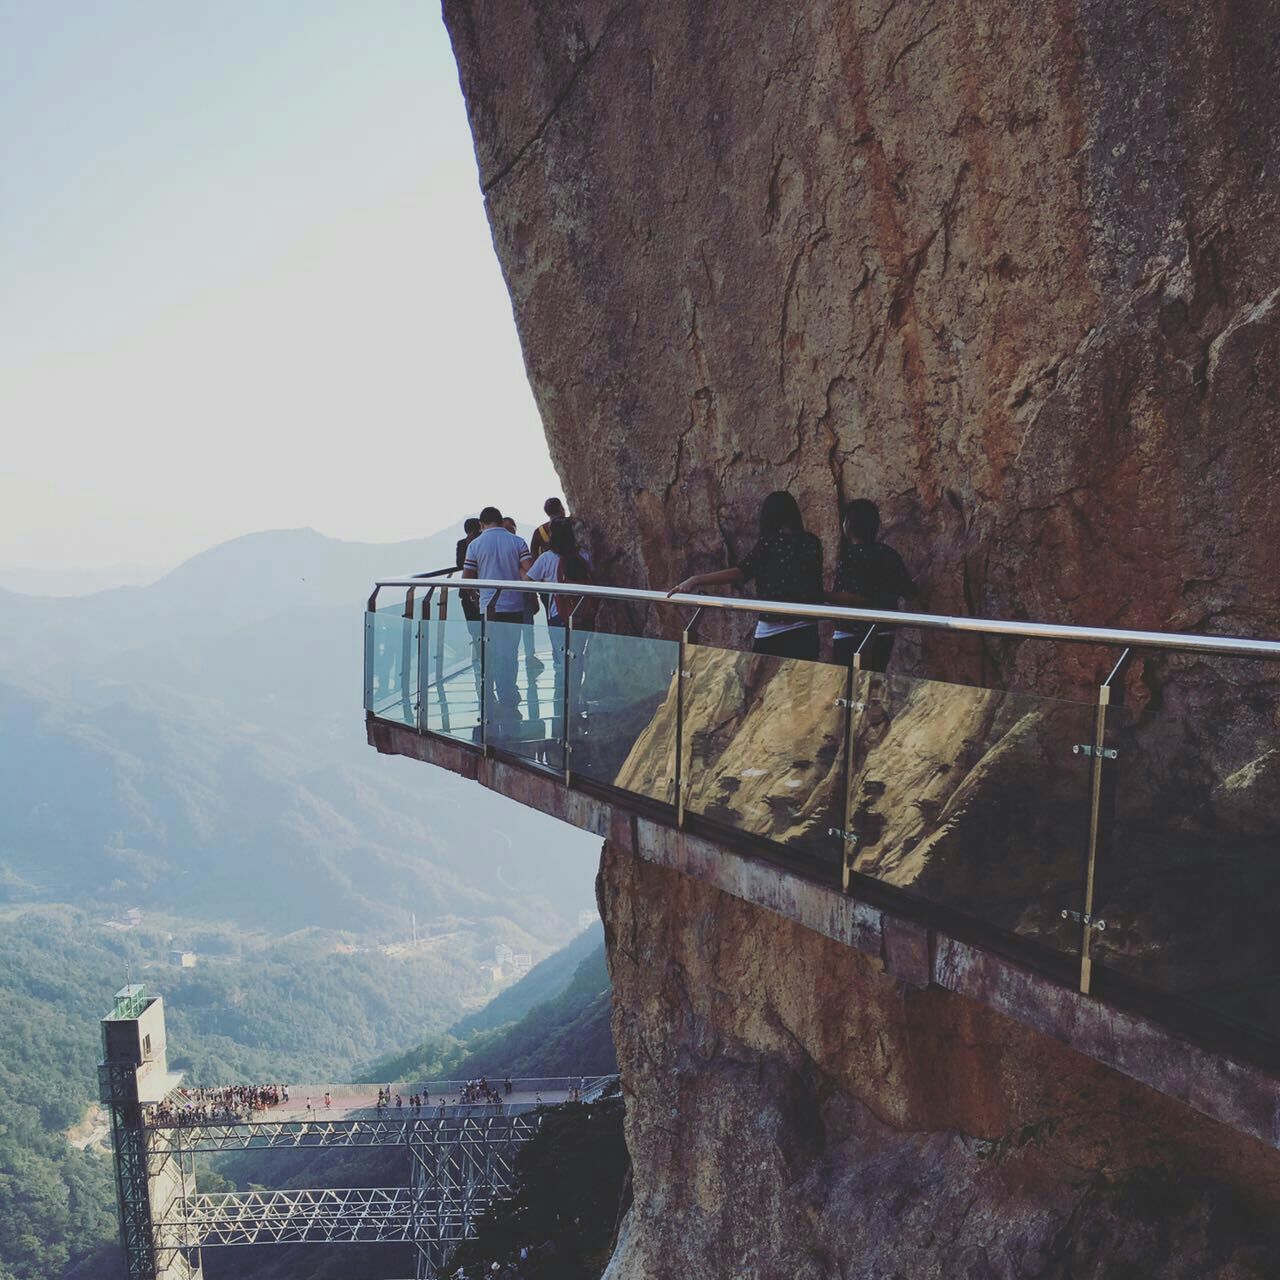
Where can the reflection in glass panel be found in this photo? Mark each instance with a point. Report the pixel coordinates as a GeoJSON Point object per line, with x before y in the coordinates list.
{"type": "Point", "coordinates": [765, 741]}
{"type": "Point", "coordinates": [1190, 876]}
{"type": "Point", "coordinates": [524, 695]}
{"type": "Point", "coordinates": [451, 672]}
{"type": "Point", "coordinates": [622, 712]}
{"type": "Point", "coordinates": [392, 664]}
{"type": "Point", "coordinates": [975, 800]}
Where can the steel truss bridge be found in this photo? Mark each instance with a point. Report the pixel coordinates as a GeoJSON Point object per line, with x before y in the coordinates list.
{"type": "Point", "coordinates": [259, 1135]}
{"type": "Point", "coordinates": [461, 1160]}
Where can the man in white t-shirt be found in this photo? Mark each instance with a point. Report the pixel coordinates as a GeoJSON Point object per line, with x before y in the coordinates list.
{"type": "Point", "coordinates": [501, 555]}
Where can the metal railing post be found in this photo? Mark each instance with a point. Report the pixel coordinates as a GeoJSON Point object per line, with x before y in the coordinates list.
{"type": "Point", "coordinates": [680, 779]}
{"type": "Point", "coordinates": [442, 619]}
{"type": "Point", "coordinates": [370, 638]}
{"type": "Point", "coordinates": [408, 655]}
{"type": "Point", "coordinates": [686, 638]}
{"type": "Point", "coordinates": [484, 681]}
{"type": "Point", "coordinates": [567, 692]}
{"type": "Point", "coordinates": [1101, 796]}
{"type": "Point", "coordinates": [846, 828]}
{"type": "Point", "coordinates": [423, 627]}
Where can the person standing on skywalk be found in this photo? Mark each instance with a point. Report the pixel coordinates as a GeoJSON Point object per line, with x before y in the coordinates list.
{"type": "Point", "coordinates": [786, 565]}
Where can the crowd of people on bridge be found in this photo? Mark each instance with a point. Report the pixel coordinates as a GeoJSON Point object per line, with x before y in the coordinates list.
{"type": "Point", "coordinates": [786, 564]}
{"type": "Point", "coordinates": [473, 1093]}
{"type": "Point", "coordinates": [228, 1104]}
{"type": "Point", "coordinates": [239, 1104]}
{"type": "Point", "coordinates": [481, 1092]}
{"type": "Point", "coordinates": [388, 1101]}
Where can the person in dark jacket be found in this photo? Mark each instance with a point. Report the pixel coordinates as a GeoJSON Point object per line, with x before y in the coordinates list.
{"type": "Point", "coordinates": [869, 575]}
{"type": "Point", "coordinates": [470, 532]}
{"type": "Point", "coordinates": [785, 564]}
{"type": "Point", "coordinates": [470, 599]}
{"type": "Point", "coordinates": [541, 539]}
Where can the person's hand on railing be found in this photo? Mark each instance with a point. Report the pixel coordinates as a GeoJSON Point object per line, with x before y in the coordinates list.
{"type": "Point", "coordinates": [716, 578]}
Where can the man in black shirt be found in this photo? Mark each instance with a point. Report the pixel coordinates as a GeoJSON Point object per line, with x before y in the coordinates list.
{"type": "Point", "coordinates": [869, 575]}
{"type": "Point", "coordinates": [470, 599]}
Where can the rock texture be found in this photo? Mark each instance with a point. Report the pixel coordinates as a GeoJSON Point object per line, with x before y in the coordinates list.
{"type": "Point", "coordinates": [792, 1112]}
{"type": "Point", "coordinates": [1014, 272]}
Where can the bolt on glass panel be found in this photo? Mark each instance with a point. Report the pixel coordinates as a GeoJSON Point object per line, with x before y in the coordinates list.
{"type": "Point", "coordinates": [975, 800]}
{"type": "Point", "coordinates": [764, 740]}
{"type": "Point", "coordinates": [452, 657]}
{"type": "Point", "coordinates": [391, 664]}
{"type": "Point", "coordinates": [1190, 876]}
{"type": "Point", "coordinates": [622, 712]}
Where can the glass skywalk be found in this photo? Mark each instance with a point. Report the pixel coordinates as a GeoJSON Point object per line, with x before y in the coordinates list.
{"type": "Point", "coordinates": [1128, 850]}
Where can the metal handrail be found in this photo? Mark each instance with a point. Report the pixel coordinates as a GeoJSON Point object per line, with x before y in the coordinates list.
{"type": "Point", "coordinates": [1181, 642]}
{"type": "Point", "coordinates": [414, 579]}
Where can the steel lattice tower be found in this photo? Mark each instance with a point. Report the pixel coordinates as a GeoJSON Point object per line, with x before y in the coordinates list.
{"type": "Point", "coordinates": [133, 1073]}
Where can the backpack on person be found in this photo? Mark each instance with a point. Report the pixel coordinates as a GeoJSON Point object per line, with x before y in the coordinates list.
{"type": "Point", "coordinates": [564, 605]}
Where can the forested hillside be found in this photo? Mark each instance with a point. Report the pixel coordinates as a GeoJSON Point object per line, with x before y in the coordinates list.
{"type": "Point", "coordinates": [543, 982]}
{"type": "Point", "coordinates": [570, 1188]}
{"type": "Point", "coordinates": [565, 1034]}
{"type": "Point", "coordinates": [292, 1011]}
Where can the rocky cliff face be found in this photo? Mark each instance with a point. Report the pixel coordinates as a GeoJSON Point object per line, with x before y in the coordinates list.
{"type": "Point", "coordinates": [1013, 271]}
{"type": "Point", "coordinates": [793, 1113]}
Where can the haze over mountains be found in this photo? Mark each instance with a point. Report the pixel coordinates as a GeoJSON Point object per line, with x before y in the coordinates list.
{"type": "Point", "coordinates": [196, 746]}
{"type": "Point", "coordinates": [26, 580]}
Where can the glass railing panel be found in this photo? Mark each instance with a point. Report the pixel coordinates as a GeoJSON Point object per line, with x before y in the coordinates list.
{"type": "Point", "coordinates": [391, 664]}
{"type": "Point", "coordinates": [1189, 874]}
{"type": "Point", "coordinates": [764, 744]}
{"type": "Point", "coordinates": [975, 800]}
{"type": "Point", "coordinates": [524, 695]}
{"type": "Point", "coordinates": [622, 712]}
{"type": "Point", "coordinates": [451, 687]}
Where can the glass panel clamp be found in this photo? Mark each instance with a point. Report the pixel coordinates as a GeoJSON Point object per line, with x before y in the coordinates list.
{"type": "Point", "coordinates": [1094, 922]}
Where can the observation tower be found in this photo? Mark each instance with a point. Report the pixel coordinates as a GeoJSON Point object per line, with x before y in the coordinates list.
{"type": "Point", "coordinates": [460, 1157]}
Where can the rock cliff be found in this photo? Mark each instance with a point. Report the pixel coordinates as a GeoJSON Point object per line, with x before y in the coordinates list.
{"type": "Point", "coordinates": [1014, 272]}
{"type": "Point", "coordinates": [794, 1113]}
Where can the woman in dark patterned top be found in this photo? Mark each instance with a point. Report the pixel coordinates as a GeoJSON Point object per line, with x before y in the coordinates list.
{"type": "Point", "coordinates": [786, 564]}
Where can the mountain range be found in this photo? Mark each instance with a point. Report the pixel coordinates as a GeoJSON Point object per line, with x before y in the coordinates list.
{"type": "Point", "coordinates": [196, 746]}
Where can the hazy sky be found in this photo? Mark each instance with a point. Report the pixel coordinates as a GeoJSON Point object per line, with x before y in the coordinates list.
{"type": "Point", "coordinates": [246, 281]}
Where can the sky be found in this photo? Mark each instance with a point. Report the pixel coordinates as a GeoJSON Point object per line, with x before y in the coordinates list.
{"type": "Point", "coordinates": [246, 282]}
